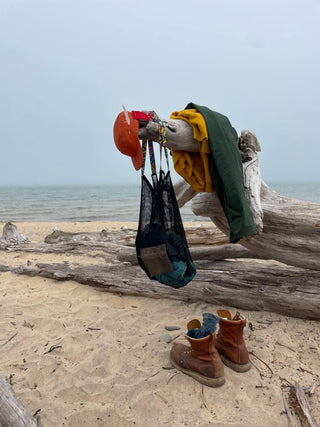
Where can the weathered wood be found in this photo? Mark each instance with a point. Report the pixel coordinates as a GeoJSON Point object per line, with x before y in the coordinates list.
{"type": "Point", "coordinates": [12, 412]}
{"type": "Point", "coordinates": [203, 234]}
{"type": "Point", "coordinates": [221, 252]}
{"type": "Point", "coordinates": [304, 404]}
{"type": "Point", "coordinates": [292, 418]}
{"type": "Point", "coordinates": [289, 229]}
{"type": "Point", "coordinates": [176, 131]}
{"type": "Point", "coordinates": [314, 386]}
{"type": "Point", "coordinates": [206, 243]}
{"type": "Point", "coordinates": [10, 236]}
{"type": "Point", "coordinates": [213, 253]}
{"type": "Point", "coordinates": [246, 285]}
{"type": "Point", "coordinates": [184, 193]}
{"type": "Point", "coordinates": [249, 147]}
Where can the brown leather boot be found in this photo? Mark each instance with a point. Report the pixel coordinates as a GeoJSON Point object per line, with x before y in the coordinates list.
{"type": "Point", "coordinates": [230, 343]}
{"type": "Point", "coordinates": [201, 361]}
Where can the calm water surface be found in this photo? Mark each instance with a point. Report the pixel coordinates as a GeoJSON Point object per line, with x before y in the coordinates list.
{"type": "Point", "coordinates": [103, 203]}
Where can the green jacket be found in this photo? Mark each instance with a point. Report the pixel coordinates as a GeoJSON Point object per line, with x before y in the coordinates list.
{"type": "Point", "coordinates": [226, 173]}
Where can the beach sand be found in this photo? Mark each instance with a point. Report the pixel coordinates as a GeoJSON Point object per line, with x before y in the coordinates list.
{"type": "Point", "coordinates": [83, 357]}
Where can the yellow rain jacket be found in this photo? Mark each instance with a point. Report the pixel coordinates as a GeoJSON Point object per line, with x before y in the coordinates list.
{"type": "Point", "coordinates": [194, 167]}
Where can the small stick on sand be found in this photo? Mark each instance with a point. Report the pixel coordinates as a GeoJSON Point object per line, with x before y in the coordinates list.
{"type": "Point", "coordinates": [253, 354]}
{"type": "Point", "coordinates": [11, 338]}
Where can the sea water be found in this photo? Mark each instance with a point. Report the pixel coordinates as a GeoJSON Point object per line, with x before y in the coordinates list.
{"type": "Point", "coordinates": [104, 203]}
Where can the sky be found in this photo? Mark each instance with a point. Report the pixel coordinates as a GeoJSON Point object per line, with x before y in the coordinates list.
{"type": "Point", "coordinates": [67, 67]}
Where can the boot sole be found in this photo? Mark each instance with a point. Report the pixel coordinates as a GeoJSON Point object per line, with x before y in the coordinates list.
{"type": "Point", "coordinates": [210, 382]}
{"type": "Point", "coordinates": [235, 366]}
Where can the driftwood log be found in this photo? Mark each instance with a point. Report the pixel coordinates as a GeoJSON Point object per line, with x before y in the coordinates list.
{"type": "Point", "coordinates": [12, 413]}
{"type": "Point", "coordinates": [297, 407]}
{"type": "Point", "coordinates": [11, 236]}
{"type": "Point", "coordinates": [246, 284]}
{"type": "Point", "coordinates": [288, 229]}
{"type": "Point", "coordinates": [268, 288]}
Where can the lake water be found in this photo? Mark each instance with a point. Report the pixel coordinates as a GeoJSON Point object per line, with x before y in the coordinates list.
{"type": "Point", "coordinates": [104, 203]}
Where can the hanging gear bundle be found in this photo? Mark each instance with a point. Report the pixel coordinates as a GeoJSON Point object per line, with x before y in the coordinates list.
{"type": "Point", "coordinates": [161, 245]}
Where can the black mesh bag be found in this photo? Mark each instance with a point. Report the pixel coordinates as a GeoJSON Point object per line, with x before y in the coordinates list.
{"type": "Point", "coordinates": [161, 244]}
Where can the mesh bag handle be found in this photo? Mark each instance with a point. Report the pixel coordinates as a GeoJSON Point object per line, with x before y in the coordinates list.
{"type": "Point", "coordinates": [148, 144]}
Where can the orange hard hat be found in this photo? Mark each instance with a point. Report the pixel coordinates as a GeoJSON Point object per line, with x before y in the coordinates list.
{"type": "Point", "coordinates": [126, 137]}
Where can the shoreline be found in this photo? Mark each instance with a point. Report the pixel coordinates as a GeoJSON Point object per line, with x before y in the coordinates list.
{"type": "Point", "coordinates": [35, 231]}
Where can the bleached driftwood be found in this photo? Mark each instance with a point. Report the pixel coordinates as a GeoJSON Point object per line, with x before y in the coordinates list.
{"type": "Point", "coordinates": [249, 147]}
{"type": "Point", "coordinates": [304, 404]}
{"type": "Point", "coordinates": [288, 229]}
{"type": "Point", "coordinates": [245, 284]}
{"type": "Point", "coordinates": [297, 407]}
{"type": "Point", "coordinates": [11, 236]}
{"type": "Point", "coordinates": [12, 413]}
{"type": "Point", "coordinates": [250, 286]}
{"type": "Point", "coordinates": [206, 243]}
{"type": "Point", "coordinates": [291, 231]}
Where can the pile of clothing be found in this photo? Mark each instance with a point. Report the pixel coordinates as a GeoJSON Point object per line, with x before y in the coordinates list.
{"type": "Point", "coordinates": [217, 166]}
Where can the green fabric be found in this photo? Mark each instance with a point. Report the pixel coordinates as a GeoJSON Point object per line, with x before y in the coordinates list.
{"type": "Point", "coordinates": [226, 173]}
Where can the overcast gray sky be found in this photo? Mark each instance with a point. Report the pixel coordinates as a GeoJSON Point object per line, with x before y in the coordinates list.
{"type": "Point", "coordinates": [68, 66]}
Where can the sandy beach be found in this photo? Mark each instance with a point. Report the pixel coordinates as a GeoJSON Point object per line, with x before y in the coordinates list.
{"type": "Point", "coordinates": [79, 356]}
